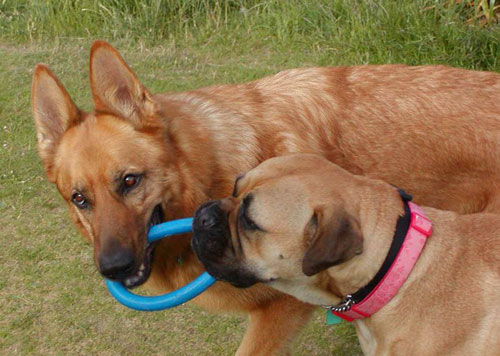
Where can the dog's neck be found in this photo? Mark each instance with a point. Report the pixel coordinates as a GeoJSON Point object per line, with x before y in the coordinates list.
{"type": "Point", "coordinates": [198, 138]}
{"type": "Point", "coordinates": [378, 211]}
{"type": "Point", "coordinates": [195, 136]}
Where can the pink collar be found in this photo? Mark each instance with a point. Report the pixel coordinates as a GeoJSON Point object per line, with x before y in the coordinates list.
{"type": "Point", "coordinates": [419, 230]}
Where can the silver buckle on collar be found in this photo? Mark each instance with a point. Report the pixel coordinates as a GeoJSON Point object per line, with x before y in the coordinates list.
{"type": "Point", "coordinates": [343, 306]}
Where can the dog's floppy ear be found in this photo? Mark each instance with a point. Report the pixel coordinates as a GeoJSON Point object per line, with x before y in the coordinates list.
{"type": "Point", "coordinates": [53, 111]}
{"type": "Point", "coordinates": [115, 87]}
{"type": "Point", "coordinates": [336, 238]}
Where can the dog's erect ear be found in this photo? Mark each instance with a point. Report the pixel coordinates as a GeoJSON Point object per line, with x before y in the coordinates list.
{"type": "Point", "coordinates": [336, 239]}
{"type": "Point", "coordinates": [53, 111]}
{"type": "Point", "coordinates": [115, 88]}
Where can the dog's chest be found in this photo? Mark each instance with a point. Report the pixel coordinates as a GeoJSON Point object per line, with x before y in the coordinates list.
{"type": "Point", "coordinates": [366, 339]}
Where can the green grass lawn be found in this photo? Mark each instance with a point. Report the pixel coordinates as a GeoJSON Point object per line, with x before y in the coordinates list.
{"type": "Point", "coordinates": [53, 301]}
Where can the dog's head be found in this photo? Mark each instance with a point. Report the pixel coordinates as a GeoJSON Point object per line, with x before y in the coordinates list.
{"type": "Point", "coordinates": [285, 223]}
{"type": "Point", "coordinates": [108, 165]}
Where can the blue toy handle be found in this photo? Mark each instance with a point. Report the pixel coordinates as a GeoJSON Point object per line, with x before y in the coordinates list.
{"type": "Point", "coordinates": [174, 227]}
{"type": "Point", "coordinates": [169, 300]}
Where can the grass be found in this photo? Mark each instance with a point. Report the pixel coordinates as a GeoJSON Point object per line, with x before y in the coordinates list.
{"type": "Point", "coordinates": [53, 302]}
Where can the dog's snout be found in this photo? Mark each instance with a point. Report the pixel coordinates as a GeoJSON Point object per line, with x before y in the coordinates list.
{"type": "Point", "coordinates": [211, 231]}
{"type": "Point", "coordinates": [208, 215]}
{"type": "Point", "coordinates": [117, 264]}
{"type": "Point", "coordinates": [213, 245]}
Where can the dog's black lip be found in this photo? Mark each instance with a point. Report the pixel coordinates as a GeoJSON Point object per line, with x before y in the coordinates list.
{"type": "Point", "coordinates": [135, 279]}
{"type": "Point", "coordinates": [156, 216]}
{"type": "Point", "coordinates": [236, 278]}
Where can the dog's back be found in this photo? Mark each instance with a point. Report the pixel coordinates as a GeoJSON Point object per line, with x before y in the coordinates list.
{"type": "Point", "coordinates": [391, 122]}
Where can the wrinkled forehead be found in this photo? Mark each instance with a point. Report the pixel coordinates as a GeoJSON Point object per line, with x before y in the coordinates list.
{"type": "Point", "coordinates": [279, 167]}
{"type": "Point", "coordinates": [281, 204]}
{"type": "Point", "coordinates": [287, 189]}
{"type": "Point", "coordinates": [103, 144]}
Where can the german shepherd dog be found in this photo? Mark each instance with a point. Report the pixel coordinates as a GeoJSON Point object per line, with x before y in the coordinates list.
{"type": "Point", "coordinates": [141, 158]}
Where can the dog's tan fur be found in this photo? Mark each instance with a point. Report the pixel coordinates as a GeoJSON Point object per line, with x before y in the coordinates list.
{"type": "Point", "coordinates": [431, 129]}
{"type": "Point", "coordinates": [446, 307]}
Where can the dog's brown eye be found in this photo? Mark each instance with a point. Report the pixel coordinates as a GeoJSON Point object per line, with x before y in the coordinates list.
{"type": "Point", "coordinates": [246, 222]}
{"type": "Point", "coordinates": [129, 181]}
{"type": "Point", "coordinates": [79, 200]}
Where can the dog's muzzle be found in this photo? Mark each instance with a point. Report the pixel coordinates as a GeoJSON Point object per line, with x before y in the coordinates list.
{"type": "Point", "coordinates": [211, 237]}
{"type": "Point", "coordinates": [122, 264]}
{"type": "Point", "coordinates": [213, 246]}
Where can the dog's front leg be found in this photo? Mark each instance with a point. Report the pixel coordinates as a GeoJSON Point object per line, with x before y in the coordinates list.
{"type": "Point", "coordinates": [273, 326]}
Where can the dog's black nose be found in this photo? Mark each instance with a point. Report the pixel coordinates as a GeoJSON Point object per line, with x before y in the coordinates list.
{"type": "Point", "coordinates": [117, 264]}
{"type": "Point", "coordinates": [210, 230]}
{"type": "Point", "coordinates": [207, 215]}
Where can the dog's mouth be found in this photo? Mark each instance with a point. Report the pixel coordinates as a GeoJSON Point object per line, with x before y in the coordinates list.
{"type": "Point", "coordinates": [142, 273]}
